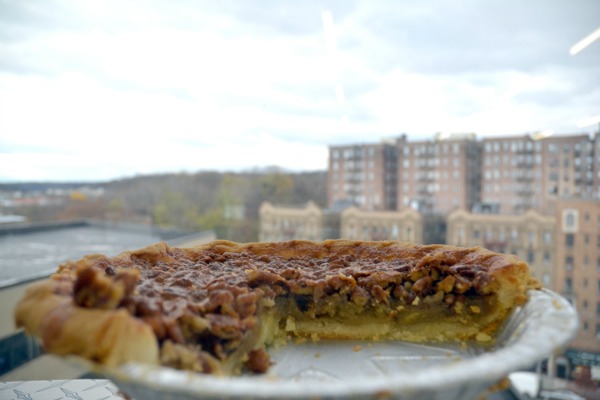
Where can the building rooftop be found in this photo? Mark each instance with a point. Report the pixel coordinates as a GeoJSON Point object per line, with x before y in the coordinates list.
{"type": "Point", "coordinates": [31, 255]}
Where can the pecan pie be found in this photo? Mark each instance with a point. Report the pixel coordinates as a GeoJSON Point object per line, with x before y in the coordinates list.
{"type": "Point", "coordinates": [217, 308]}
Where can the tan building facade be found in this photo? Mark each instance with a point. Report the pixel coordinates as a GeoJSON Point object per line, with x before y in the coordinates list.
{"type": "Point", "coordinates": [281, 223]}
{"type": "Point", "coordinates": [529, 236]}
{"type": "Point", "coordinates": [405, 226]}
{"type": "Point", "coordinates": [578, 266]}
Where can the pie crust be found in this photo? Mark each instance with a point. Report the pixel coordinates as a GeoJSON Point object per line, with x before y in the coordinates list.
{"type": "Point", "coordinates": [217, 308]}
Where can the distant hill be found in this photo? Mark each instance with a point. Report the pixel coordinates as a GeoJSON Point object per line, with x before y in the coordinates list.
{"type": "Point", "coordinates": [226, 202]}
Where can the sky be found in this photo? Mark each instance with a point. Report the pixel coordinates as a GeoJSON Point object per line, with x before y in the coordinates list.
{"type": "Point", "coordinates": [100, 90]}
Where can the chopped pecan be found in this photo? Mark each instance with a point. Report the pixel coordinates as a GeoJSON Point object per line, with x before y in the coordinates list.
{"type": "Point", "coordinates": [93, 289]}
{"type": "Point", "coordinates": [417, 274]}
{"type": "Point", "coordinates": [219, 300]}
{"type": "Point", "coordinates": [401, 293]}
{"type": "Point", "coordinates": [483, 283]}
{"type": "Point", "coordinates": [258, 361]}
{"type": "Point", "coordinates": [423, 286]}
{"type": "Point", "coordinates": [380, 295]}
{"type": "Point", "coordinates": [447, 284]}
{"type": "Point", "coordinates": [174, 332]}
{"type": "Point", "coordinates": [261, 277]}
{"type": "Point", "coordinates": [246, 304]}
{"type": "Point", "coordinates": [461, 285]}
{"type": "Point", "coordinates": [224, 326]}
{"type": "Point", "coordinates": [359, 296]}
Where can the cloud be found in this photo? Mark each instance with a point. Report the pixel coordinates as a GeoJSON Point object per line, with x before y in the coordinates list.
{"type": "Point", "coordinates": [188, 85]}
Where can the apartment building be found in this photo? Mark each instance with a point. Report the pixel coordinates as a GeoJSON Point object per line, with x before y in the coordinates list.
{"type": "Point", "coordinates": [577, 274]}
{"type": "Point", "coordinates": [439, 176]}
{"type": "Point", "coordinates": [512, 174]}
{"type": "Point", "coordinates": [571, 167]}
{"type": "Point", "coordinates": [281, 223]}
{"type": "Point", "coordinates": [405, 226]}
{"type": "Point", "coordinates": [363, 175]}
{"type": "Point", "coordinates": [530, 236]}
{"type": "Point", "coordinates": [504, 175]}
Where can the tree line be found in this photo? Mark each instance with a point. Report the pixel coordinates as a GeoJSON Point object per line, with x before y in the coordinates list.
{"type": "Point", "coordinates": [225, 202]}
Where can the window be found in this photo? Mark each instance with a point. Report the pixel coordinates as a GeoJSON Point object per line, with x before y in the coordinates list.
{"type": "Point", "coordinates": [532, 236]}
{"type": "Point", "coordinates": [460, 235]}
{"type": "Point", "coordinates": [530, 256]}
{"type": "Point", "coordinates": [547, 257]}
{"type": "Point", "coordinates": [546, 279]}
{"type": "Point", "coordinates": [569, 263]}
{"type": "Point", "coordinates": [569, 240]}
{"type": "Point", "coordinates": [547, 237]}
{"type": "Point", "coordinates": [569, 285]}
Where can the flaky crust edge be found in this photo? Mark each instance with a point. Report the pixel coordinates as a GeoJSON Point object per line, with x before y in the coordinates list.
{"type": "Point", "coordinates": [109, 337]}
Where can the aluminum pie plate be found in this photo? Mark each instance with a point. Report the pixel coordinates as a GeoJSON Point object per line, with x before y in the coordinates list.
{"type": "Point", "coordinates": [388, 369]}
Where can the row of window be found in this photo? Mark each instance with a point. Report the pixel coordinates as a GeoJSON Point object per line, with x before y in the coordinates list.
{"type": "Point", "coordinates": [577, 162]}
{"type": "Point", "coordinates": [490, 174]}
{"type": "Point", "coordinates": [368, 230]}
{"type": "Point", "coordinates": [406, 175]}
{"type": "Point", "coordinates": [569, 286]}
{"type": "Point", "coordinates": [570, 239]}
{"type": "Point", "coordinates": [509, 188]}
{"type": "Point", "coordinates": [431, 149]}
{"type": "Point", "coordinates": [352, 165]}
{"type": "Point", "coordinates": [432, 162]}
{"type": "Point", "coordinates": [577, 176]}
{"type": "Point", "coordinates": [513, 145]}
{"type": "Point", "coordinates": [566, 147]}
{"type": "Point", "coordinates": [585, 326]}
{"type": "Point", "coordinates": [353, 177]}
{"type": "Point", "coordinates": [570, 263]}
{"type": "Point", "coordinates": [521, 160]}
{"type": "Point", "coordinates": [502, 234]}
{"type": "Point", "coordinates": [353, 152]}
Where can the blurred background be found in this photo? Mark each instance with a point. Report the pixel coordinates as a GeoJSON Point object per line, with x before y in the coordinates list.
{"type": "Point", "coordinates": [471, 123]}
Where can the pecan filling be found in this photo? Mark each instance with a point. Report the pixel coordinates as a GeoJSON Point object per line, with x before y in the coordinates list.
{"type": "Point", "coordinates": [205, 307]}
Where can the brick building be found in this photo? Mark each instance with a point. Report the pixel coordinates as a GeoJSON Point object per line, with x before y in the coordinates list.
{"type": "Point", "coordinates": [363, 175]}
{"type": "Point", "coordinates": [438, 176]}
{"type": "Point", "coordinates": [503, 175]}
{"type": "Point", "coordinates": [577, 267]}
